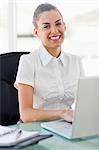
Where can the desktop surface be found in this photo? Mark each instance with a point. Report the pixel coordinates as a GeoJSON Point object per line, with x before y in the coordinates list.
{"type": "Point", "coordinates": [60, 143]}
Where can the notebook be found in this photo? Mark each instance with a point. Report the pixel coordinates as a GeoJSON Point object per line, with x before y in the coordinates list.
{"type": "Point", "coordinates": [86, 114]}
{"type": "Point", "coordinates": [17, 138]}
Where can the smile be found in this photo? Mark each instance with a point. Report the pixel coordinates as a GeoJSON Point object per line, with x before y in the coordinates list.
{"type": "Point", "coordinates": [55, 37]}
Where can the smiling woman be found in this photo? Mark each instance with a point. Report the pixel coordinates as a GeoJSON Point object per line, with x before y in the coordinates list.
{"type": "Point", "coordinates": [50, 28]}
{"type": "Point", "coordinates": [81, 39]}
{"type": "Point", "coordinates": [47, 78]}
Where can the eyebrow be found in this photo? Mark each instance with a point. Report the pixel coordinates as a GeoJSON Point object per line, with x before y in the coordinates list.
{"type": "Point", "coordinates": [58, 20]}
{"type": "Point", "coordinates": [46, 23]}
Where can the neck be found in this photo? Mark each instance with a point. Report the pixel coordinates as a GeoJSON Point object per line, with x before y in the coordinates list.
{"type": "Point", "coordinates": [54, 52]}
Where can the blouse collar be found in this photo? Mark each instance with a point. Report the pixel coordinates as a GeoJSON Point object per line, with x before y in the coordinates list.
{"type": "Point", "coordinates": [46, 57]}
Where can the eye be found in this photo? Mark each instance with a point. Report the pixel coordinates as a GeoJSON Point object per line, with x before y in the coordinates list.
{"type": "Point", "coordinates": [46, 26]}
{"type": "Point", "coordinates": [58, 24]}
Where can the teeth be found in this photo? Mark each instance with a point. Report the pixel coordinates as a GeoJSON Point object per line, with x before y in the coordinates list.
{"type": "Point", "coordinates": [55, 37]}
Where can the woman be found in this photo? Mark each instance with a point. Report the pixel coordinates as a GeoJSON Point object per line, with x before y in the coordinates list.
{"type": "Point", "coordinates": [47, 78]}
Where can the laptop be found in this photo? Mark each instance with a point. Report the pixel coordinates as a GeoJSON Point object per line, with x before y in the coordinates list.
{"type": "Point", "coordinates": [86, 114]}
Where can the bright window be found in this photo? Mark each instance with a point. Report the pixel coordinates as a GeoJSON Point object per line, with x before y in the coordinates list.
{"type": "Point", "coordinates": [3, 26]}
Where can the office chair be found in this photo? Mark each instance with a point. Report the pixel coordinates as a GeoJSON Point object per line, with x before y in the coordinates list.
{"type": "Point", "coordinates": [9, 109]}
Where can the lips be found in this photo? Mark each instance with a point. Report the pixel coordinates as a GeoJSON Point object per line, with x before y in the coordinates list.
{"type": "Point", "coordinates": [55, 38]}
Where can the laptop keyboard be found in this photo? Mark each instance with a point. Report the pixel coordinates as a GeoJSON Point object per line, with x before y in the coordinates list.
{"type": "Point", "coordinates": [60, 126]}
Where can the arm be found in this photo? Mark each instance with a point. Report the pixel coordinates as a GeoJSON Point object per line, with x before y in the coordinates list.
{"type": "Point", "coordinates": [29, 114]}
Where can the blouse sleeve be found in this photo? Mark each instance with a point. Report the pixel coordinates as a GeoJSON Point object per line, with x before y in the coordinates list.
{"type": "Point", "coordinates": [25, 74]}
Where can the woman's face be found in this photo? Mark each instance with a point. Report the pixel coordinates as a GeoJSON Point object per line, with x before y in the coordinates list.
{"type": "Point", "coordinates": [51, 29]}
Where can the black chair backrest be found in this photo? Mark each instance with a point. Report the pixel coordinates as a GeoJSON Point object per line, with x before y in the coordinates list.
{"type": "Point", "coordinates": [9, 108]}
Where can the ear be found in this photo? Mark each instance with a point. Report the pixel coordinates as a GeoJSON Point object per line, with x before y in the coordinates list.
{"type": "Point", "coordinates": [35, 32]}
{"type": "Point", "coordinates": [65, 26]}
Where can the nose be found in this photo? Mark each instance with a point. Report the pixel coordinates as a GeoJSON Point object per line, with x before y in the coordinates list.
{"type": "Point", "coordinates": [54, 30]}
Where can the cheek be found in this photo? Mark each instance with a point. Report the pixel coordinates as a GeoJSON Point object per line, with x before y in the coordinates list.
{"type": "Point", "coordinates": [44, 36]}
{"type": "Point", "coordinates": [63, 33]}
{"type": "Point", "coordinates": [63, 30]}
{"type": "Point", "coordinates": [40, 35]}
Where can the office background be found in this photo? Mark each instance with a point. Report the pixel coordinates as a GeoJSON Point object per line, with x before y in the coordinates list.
{"type": "Point", "coordinates": [80, 16]}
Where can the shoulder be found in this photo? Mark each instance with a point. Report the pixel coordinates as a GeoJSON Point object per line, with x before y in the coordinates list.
{"type": "Point", "coordinates": [28, 58]}
{"type": "Point", "coordinates": [72, 57]}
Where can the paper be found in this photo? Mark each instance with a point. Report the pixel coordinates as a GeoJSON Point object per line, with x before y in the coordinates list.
{"type": "Point", "coordinates": [4, 130]}
{"type": "Point", "coordinates": [10, 138]}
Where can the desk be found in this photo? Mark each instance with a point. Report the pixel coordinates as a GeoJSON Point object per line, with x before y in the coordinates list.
{"type": "Point", "coordinates": [60, 143]}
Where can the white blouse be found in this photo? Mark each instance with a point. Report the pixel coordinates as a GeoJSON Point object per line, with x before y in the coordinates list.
{"type": "Point", "coordinates": [53, 79]}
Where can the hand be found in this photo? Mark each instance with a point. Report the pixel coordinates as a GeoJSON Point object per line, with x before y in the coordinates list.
{"type": "Point", "coordinates": [67, 115]}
